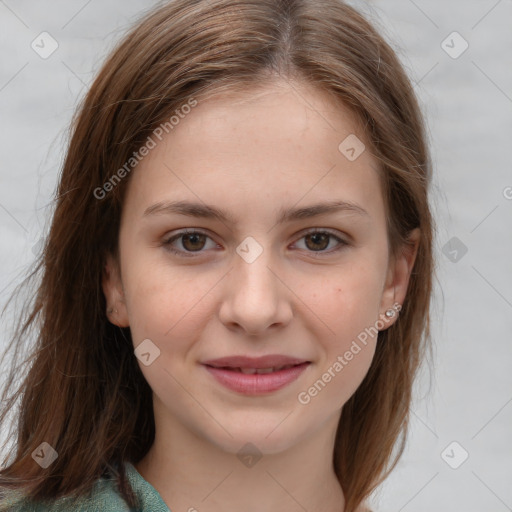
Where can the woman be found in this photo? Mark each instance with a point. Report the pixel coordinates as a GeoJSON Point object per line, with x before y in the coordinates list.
{"type": "Point", "coordinates": [236, 283]}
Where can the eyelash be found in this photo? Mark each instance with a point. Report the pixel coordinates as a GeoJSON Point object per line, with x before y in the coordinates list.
{"type": "Point", "coordinates": [168, 242]}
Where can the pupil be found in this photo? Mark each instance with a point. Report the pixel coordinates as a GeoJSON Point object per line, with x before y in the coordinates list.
{"type": "Point", "coordinates": [194, 237]}
{"type": "Point", "coordinates": [316, 236]}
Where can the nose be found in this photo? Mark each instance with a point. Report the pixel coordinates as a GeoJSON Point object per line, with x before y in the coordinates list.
{"type": "Point", "coordinates": [255, 296]}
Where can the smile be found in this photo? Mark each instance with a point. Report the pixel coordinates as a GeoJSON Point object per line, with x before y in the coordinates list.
{"type": "Point", "coordinates": [256, 381]}
{"type": "Point", "coordinates": [250, 371]}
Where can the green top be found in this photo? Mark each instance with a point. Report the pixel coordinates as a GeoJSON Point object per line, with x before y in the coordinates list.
{"type": "Point", "coordinates": [104, 498]}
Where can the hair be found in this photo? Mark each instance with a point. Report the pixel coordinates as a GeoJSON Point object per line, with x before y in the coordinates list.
{"type": "Point", "coordinates": [82, 390]}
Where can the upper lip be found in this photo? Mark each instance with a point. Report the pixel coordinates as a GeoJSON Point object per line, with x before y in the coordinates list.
{"type": "Point", "coordinates": [269, 361]}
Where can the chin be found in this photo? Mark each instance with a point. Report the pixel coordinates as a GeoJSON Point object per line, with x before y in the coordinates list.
{"type": "Point", "coordinates": [264, 437]}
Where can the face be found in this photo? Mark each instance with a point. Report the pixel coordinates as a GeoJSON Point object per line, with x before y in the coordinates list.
{"type": "Point", "coordinates": [313, 288]}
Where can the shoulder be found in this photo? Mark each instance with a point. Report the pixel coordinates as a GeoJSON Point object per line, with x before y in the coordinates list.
{"type": "Point", "coordinates": [104, 496]}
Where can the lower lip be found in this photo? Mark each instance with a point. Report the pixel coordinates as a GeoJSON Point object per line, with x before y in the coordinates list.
{"type": "Point", "coordinates": [256, 384]}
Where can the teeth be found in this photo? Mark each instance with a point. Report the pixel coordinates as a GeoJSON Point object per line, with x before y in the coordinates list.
{"type": "Point", "coordinates": [247, 370]}
{"type": "Point", "coordinates": [265, 370]}
{"type": "Point", "coordinates": [252, 371]}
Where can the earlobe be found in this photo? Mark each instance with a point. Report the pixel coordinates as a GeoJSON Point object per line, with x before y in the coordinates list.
{"type": "Point", "coordinates": [113, 291]}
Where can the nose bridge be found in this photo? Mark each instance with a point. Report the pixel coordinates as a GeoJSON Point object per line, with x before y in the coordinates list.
{"type": "Point", "coordinates": [255, 296]}
{"type": "Point", "coordinates": [253, 276]}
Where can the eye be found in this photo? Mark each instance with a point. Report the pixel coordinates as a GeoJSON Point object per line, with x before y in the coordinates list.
{"type": "Point", "coordinates": [318, 240]}
{"type": "Point", "coordinates": [194, 241]}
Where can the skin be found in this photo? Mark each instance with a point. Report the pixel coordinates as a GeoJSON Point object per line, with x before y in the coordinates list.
{"type": "Point", "coordinates": [252, 155]}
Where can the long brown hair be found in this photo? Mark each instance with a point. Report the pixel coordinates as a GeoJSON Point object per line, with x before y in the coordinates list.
{"type": "Point", "coordinates": [82, 391]}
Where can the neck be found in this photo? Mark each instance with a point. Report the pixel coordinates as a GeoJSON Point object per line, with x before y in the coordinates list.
{"type": "Point", "coordinates": [192, 473]}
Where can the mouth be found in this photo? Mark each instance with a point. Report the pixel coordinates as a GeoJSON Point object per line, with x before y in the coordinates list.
{"type": "Point", "coordinates": [267, 362]}
{"type": "Point", "coordinates": [255, 377]}
{"type": "Point", "coordinates": [252, 371]}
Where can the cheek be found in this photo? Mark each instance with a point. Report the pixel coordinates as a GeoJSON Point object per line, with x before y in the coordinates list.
{"type": "Point", "coordinates": [347, 303]}
{"type": "Point", "coordinates": [164, 304]}
{"type": "Point", "coordinates": [166, 308]}
{"type": "Point", "coordinates": [349, 309]}
{"type": "Point", "coordinates": [348, 299]}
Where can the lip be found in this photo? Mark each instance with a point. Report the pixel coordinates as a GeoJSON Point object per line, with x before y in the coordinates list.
{"type": "Point", "coordinates": [224, 371]}
{"type": "Point", "coordinates": [267, 361]}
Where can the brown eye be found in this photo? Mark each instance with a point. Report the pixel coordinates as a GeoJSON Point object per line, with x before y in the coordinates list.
{"type": "Point", "coordinates": [194, 241]}
{"type": "Point", "coordinates": [318, 241]}
{"type": "Point", "coordinates": [191, 242]}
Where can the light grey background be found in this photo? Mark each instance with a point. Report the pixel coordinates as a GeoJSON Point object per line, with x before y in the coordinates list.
{"type": "Point", "coordinates": [468, 104]}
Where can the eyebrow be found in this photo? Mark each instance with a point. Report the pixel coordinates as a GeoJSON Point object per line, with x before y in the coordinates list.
{"type": "Point", "coordinates": [201, 210]}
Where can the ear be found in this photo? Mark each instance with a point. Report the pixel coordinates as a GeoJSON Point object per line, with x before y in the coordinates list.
{"type": "Point", "coordinates": [398, 275]}
{"type": "Point", "coordinates": [114, 294]}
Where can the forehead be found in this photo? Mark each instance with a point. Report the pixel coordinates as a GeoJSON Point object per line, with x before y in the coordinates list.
{"type": "Point", "coordinates": [278, 143]}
